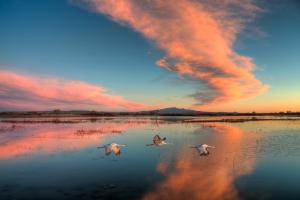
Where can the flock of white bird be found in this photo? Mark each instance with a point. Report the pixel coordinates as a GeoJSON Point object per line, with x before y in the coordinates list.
{"type": "Point", "coordinates": [157, 141]}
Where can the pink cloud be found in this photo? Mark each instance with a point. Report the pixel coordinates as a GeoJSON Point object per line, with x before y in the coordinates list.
{"type": "Point", "coordinates": [18, 91]}
{"type": "Point", "coordinates": [197, 38]}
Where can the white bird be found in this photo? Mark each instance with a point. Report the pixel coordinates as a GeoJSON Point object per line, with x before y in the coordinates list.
{"type": "Point", "coordinates": [202, 149]}
{"type": "Point", "coordinates": [157, 140]}
{"type": "Point", "coordinates": [113, 147]}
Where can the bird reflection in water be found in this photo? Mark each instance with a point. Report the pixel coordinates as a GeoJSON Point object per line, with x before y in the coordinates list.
{"type": "Point", "coordinates": [113, 147]}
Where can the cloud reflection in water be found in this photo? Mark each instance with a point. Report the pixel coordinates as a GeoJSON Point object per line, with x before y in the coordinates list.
{"type": "Point", "coordinates": [212, 177]}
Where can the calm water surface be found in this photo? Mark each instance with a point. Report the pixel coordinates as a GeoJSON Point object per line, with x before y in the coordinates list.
{"type": "Point", "coordinates": [253, 160]}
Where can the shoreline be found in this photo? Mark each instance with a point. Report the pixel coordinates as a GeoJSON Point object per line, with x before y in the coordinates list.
{"type": "Point", "coordinates": [159, 119]}
{"type": "Point", "coordinates": [62, 114]}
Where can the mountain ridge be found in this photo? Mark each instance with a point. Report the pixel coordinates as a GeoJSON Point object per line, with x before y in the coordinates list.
{"type": "Point", "coordinates": [175, 110]}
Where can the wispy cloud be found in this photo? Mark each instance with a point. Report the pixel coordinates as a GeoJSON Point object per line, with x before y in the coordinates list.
{"type": "Point", "coordinates": [198, 38]}
{"type": "Point", "coordinates": [23, 92]}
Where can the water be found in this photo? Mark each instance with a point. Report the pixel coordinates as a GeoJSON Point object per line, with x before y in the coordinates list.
{"type": "Point", "coordinates": [253, 160]}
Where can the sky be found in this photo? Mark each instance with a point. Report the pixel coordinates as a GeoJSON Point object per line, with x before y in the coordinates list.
{"type": "Point", "coordinates": [217, 55]}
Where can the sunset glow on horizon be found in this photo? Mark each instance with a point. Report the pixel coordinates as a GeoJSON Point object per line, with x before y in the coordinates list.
{"type": "Point", "coordinates": [131, 55]}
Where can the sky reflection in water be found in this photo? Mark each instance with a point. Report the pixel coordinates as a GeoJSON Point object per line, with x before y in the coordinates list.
{"type": "Point", "coordinates": [48, 161]}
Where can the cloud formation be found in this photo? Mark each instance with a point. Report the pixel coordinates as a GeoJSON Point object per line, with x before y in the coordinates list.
{"type": "Point", "coordinates": [24, 92]}
{"type": "Point", "coordinates": [197, 37]}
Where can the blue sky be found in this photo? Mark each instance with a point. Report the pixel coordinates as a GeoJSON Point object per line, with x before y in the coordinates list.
{"type": "Point", "coordinates": [58, 38]}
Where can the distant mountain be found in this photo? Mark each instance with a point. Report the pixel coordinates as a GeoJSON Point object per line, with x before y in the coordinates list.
{"type": "Point", "coordinates": [174, 110]}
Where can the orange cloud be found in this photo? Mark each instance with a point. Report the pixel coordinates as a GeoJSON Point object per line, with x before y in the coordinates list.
{"type": "Point", "coordinates": [23, 92]}
{"type": "Point", "coordinates": [198, 39]}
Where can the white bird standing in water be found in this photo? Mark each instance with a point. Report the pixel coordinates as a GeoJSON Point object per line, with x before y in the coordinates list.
{"type": "Point", "coordinates": [113, 147]}
{"type": "Point", "coordinates": [202, 149]}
